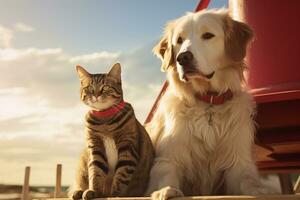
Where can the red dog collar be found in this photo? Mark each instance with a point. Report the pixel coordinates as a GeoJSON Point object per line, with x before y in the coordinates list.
{"type": "Point", "coordinates": [109, 112]}
{"type": "Point", "coordinates": [214, 98]}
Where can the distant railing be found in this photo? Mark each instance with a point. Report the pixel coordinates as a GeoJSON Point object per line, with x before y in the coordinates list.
{"type": "Point", "coordinates": [57, 191]}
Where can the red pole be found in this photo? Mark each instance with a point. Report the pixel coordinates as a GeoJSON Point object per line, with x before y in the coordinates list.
{"type": "Point", "coordinates": [202, 5]}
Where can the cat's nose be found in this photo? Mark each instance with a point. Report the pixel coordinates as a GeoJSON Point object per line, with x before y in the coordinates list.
{"type": "Point", "coordinates": [97, 94]}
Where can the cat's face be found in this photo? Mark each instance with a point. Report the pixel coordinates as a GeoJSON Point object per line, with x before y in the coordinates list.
{"type": "Point", "coordinates": [100, 91]}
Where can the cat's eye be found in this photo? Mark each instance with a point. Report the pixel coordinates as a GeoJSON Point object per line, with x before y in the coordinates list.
{"type": "Point", "coordinates": [106, 87]}
{"type": "Point", "coordinates": [91, 89]}
{"type": "Point", "coordinates": [179, 40]}
{"type": "Point", "coordinates": [207, 36]}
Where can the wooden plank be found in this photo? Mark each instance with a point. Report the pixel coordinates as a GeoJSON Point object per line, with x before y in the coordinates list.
{"type": "Point", "coordinates": [280, 170]}
{"type": "Point", "coordinates": [281, 164]}
{"type": "Point", "coordinates": [58, 181]}
{"type": "Point", "coordinates": [285, 95]}
{"type": "Point", "coordinates": [25, 190]}
{"type": "Point", "coordinates": [265, 197]}
{"type": "Point", "coordinates": [279, 135]}
{"type": "Point", "coordinates": [286, 184]}
{"type": "Point", "coordinates": [297, 185]}
{"type": "Point", "coordinates": [268, 118]}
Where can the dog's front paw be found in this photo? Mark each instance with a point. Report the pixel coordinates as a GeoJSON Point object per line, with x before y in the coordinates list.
{"type": "Point", "coordinates": [88, 194]}
{"type": "Point", "coordinates": [166, 193]}
{"type": "Point", "coordinates": [77, 194]}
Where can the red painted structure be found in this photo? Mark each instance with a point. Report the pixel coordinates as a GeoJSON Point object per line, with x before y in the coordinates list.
{"type": "Point", "coordinates": [275, 53]}
{"type": "Point", "coordinates": [274, 77]}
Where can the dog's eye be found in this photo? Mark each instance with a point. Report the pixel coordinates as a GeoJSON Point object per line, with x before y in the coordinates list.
{"type": "Point", "coordinates": [207, 36]}
{"type": "Point", "coordinates": [179, 40]}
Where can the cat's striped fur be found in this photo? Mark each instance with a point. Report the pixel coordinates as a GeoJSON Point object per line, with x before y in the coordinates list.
{"type": "Point", "coordinates": [119, 153]}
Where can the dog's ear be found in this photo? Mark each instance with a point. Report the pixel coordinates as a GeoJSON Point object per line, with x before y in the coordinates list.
{"type": "Point", "coordinates": [237, 37]}
{"type": "Point", "coordinates": [164, 48]}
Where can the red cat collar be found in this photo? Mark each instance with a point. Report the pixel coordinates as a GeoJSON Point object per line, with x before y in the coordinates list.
{"type": "Point", "coordinates": [109, 112]}
{"type": "Point", "coordinates": [214, 98]}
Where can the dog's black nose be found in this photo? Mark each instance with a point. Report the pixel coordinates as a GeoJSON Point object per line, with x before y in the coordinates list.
{"type": "Point", "coordinates": [185, 58]}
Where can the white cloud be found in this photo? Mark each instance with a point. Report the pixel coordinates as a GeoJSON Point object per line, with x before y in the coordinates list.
{"type": "Point", "coordinates": [10, 54]}
{"type": "Point", "coordinates": [6, 36]}
{"type": "Point", "coordinates": [16, 90]}
{"type": "Point", "coordinates": [23, 27]}
{"type": "Point", "coordinates": [142, 98]}
{"type": "Point", "coordinates": [100, 56]}
{"type": "Point", "coordinates": [46, 76]}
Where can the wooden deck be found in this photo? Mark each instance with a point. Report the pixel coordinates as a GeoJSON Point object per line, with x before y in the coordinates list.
{"type": "Point", "coordinates": [266, 197]}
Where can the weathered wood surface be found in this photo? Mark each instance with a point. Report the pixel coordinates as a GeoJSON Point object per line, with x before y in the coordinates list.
{"type": "Point", "coordinates": [266, 197]}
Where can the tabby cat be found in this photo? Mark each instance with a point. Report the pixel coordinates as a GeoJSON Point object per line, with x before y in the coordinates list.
{"type": "Point", "coordinates": [119, 152]}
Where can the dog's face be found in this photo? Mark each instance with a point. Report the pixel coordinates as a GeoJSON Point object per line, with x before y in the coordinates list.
{"type": "Point", "coordinates": [200, 44]}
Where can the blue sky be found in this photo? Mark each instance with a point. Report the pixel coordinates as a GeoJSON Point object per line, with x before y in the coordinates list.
{"type": "Point", "coordinates": [41, 118]}
{"type": "Point", "coordinates": [93, 25]}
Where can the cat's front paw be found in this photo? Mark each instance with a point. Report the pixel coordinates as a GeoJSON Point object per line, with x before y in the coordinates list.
{"type": "Point", "coordinates": [166, 193]}
{"type": "Point", "coordinates": [77, 194]}
{"type": "Point", "coordinates": [115, 194]}
{"type": "Point", "coordinates": [88, 194]}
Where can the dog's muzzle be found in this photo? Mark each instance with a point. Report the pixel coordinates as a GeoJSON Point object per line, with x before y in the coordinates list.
{"type": "Point", "coordinates": [187, 66]}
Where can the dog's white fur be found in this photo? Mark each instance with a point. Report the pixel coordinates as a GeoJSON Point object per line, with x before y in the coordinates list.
{"type": "Point", "coordinates": [192, 156]}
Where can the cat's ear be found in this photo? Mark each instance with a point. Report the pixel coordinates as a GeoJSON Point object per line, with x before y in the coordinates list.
{"type": "Point", "coordinates": [115, 71]}
{"type": "Point", "coordinates": [82, 73]}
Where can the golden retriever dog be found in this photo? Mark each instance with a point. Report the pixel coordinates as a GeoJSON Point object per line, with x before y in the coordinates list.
{"type": "Point", "coordinates": [203, 128]}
